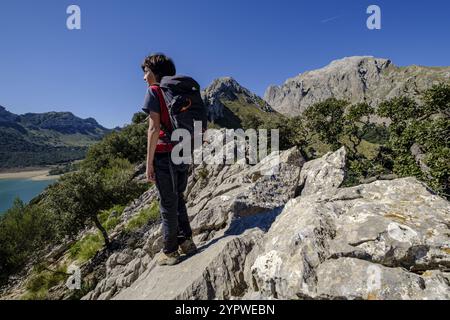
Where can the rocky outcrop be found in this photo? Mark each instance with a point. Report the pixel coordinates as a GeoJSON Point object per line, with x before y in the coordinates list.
{"type": "Point", "coordinates": [285, 235]}
{"type": "Point", "coordinates": [230, 207]}
{"type": "Point", "coordinates": [215, 272]}
{"type": "Point", "coordinates": [384, 240]}
{"type": "Point", "coordinates": [356, 79]}
{"type": "Point", "coordinates": [218, 193]}
{"type": "Point", "coordinates": [326, 173]}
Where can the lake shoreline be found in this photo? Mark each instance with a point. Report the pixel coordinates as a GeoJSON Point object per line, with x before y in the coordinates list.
{"type": "Point", "coordinates": [25, 185]}
{"type": "Point", "coordinates": [32, 174]}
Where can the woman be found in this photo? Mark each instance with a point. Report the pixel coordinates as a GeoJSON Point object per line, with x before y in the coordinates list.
{"type": "Point", "coordinates": [170, 179]}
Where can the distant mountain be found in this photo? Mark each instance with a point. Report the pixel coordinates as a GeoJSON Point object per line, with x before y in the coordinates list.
{"type": "Point", "coordinates": [63, 122]}
{"type": "Point", "coordinates": [36, 139]}
{"type": "Point", "coordinates": [6, 116]}
{"type": "Point", "coordinates": [356, 79]}
{"type": "Point", "coordinates": [229, 103]}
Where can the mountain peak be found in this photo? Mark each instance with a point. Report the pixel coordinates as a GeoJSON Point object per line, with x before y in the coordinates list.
{"type": "Point", "coordinates": [92, 121]}
{"type": "Point", "coordinates": [347, 64]}
{"type": "Point", "coordinates": [230, 89]}
{"type": "Point", "coordinates": [226, 90]}
{"type": "Point", "coordinates": [224, 85]}
{"type": "Point", "coordinates": [355, 79]}
{"type": "Point", "coordinates": [227, 80]}
{"type": "Point", "coordinates": [6, 116]}
{"type": "Point", "coordinates": [357, 59]}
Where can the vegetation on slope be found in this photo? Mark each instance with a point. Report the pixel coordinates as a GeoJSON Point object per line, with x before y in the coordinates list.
{"type": "Point", "coordinates": [77, 201]}
{"type": "Point", "coordinates": [412, 141]}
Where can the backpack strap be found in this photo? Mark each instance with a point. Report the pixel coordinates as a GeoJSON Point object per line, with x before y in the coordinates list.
{"type": "Point", "coordinates": [165, 119]}
{"type": "Point", "coordinates": [164, 143]}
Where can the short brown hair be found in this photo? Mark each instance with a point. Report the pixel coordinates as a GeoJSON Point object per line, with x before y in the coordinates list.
{"type": "Point", "coordinates": [160, 64]}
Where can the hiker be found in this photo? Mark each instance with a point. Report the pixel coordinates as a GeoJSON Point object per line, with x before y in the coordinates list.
{"type": "Point", "coordinates": [170, 179]}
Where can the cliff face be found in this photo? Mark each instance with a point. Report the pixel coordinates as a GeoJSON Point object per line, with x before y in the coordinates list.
{"type": "Point", "coordinates": [356, 79]}
{"type": "Point", "coordinates": [291, 234]}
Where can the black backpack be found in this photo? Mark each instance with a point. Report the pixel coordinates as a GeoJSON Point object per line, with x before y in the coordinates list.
{"type": "Point", "coordinates": [184, 102]}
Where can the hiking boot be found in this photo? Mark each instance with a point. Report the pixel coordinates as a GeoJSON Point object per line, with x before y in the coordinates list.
{"type": "Point", "coordinates": [188, 247]}
{"type": "Point", "coordinates": [168, 259]}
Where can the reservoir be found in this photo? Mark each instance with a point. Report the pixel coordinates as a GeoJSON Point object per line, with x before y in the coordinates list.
{"type": "Point", "coordinates": [25, 189]}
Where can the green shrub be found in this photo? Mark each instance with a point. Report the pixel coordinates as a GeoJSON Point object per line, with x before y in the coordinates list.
{"type": "Point", "coordinates": [87, 247]}
{"type": "Point", "coordinates": [130, 143]}
{"type": "Point", "coordinates": [145, 216]}
{"type": "Point", "coordinates": [203, 173]}
{"type": "Point", "coordinates": [105, 214]}
{"type": "Point", "coordinates": [108, 220]}
{"type": "Point", "coordinates": [326, 119]}
{"type": "Point", "coordinates": [111, 223]}
{"type": "Point", "coordinates": [23, 231]}
{"type": "Point", "coordinates": [41, 280]}
{"type": "Point", "coordinates": [117, 182]}
{"type": "Point", "coordinates": [79, 197]}
{"type": "Point", "coordinates": [419, 137]}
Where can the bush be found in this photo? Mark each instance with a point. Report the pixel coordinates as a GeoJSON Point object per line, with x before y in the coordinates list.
{"type": "Point", "coordinates": [23, 231]}
{"type": "Point", "coordinates": [109, 220]}
{"type": "Point", "coordinates": [147, 215]}
{"type": "Point", "coordinates": [129, 143]}
{"type": "Point", "coordinates": [42, 280]}
{"type": "Point", "coordinates": [418, 137]}
{"type": "Point", "coordinates": [79, 197]}
{"type": "Point", "coordinates": [327, 121]}
{"type": "Point", "coordinates": [87, 247]}
{"type": "Point", "coordinates": [117, 183]}
{"type": "Point", "coordinates": [76, 200]}
{"type": "Point", "coordinates": [103, 179]}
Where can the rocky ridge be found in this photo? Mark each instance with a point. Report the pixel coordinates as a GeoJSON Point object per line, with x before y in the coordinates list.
{"type": "Point", "coordinates": [291, 233]}
{"type": "Point", "coordinates": [226, 89]}
{"type": "Point", "coordinates": [356, 79]}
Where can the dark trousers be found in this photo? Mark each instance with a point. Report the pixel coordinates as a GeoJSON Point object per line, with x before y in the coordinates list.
{"type": "Point", "coordinates": [171, 181]}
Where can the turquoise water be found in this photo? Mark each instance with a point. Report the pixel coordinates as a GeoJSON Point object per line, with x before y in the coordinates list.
{"type": "Point", "coordinates": [25, 189]}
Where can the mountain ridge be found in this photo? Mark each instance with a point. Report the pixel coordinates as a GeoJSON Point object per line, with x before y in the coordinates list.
{"type": "Point", "coordinates": [32, 117]}
{"type": "Point", "coordinates": [229, 103]}
{"type": "Point", "coordinates": [38, 139]}
{"type": "Point", "coordinates": [356, 79]}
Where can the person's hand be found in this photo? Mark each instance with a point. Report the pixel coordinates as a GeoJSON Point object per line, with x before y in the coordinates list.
{"type": "Point", "coordinates": [150, 173]}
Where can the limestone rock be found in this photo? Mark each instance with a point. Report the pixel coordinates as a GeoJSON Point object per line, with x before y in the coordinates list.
{"type": "Point", "coordinates": [323, 174]}
{"type": "Point", "coordinates": [326, 245]}
{"type": "Point", "coordinates": [356, 79]}
{"type": "Point", "coordinates": [227, 191]}
{"type": "Point", "coordinates": [348, 278]}
{"type": "Point", "coordinates": [284, 229]}
{"type": "Point", "coordinates": [223, 205]}
{"type": "Point", "coordinates": [215, 272]}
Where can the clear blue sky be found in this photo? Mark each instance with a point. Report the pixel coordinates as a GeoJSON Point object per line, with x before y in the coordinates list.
{"type": "Point", "coordinates": [94, 72]}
